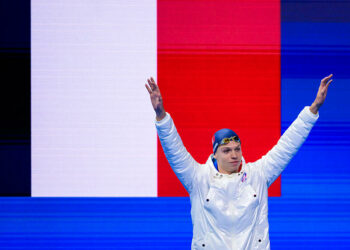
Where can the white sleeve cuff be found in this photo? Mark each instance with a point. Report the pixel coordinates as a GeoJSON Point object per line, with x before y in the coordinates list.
{"type": "Point", "coordinates": [164, 120]}
{"type": "Point", "coordinates": [307, 116]}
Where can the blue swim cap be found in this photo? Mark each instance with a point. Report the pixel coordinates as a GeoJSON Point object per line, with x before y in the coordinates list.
{"type": "Point", "coordinates": [224, 136]}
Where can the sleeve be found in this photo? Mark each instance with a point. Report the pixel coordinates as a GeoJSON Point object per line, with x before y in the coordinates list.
{"type": "Point", "coordinates": [274, 162]}
{"type": "Point", "coordinates": [179, 159]}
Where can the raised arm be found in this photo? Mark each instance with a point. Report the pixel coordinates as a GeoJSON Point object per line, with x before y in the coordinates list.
{"type": "Point", "coordinates": [274, 162]}
{"type": "Point", "coordinates": [179, 159]}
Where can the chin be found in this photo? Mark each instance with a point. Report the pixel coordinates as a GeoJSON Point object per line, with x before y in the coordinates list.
{"type": "Point", "coordinates": [232, 169]}
{"type": "Point", "coordinates": [235, 167]}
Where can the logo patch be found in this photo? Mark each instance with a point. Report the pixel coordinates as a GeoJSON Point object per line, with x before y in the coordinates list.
{"type": "Point", "coordinates": [244, 177]}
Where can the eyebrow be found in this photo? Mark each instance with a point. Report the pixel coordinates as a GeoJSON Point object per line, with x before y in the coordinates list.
{"type": "Point", "coordinates": [226, 147]}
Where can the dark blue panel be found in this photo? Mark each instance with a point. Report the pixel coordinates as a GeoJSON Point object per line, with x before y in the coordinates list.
{"type": "Point", "coordinates": [324, 37]}
{"type": "Point", "coordinates": [121, 223]}
{"type": "Point", "coordinates": [15, 24]}
{"type": "Point", "coordinates": [313, 212]}
{"type": "Point", "coordinates": [159, 223]}
{"type": "Point", "coordinates": [299, 92]}
{"type": "Point", "coordinates": [313, 50]}
{"type": "Point", "coordinates": [315, 65]}
{"type": "Point", "coordinates": [315, 11]}
{"type": "Point", "coordinates": [15, 172]}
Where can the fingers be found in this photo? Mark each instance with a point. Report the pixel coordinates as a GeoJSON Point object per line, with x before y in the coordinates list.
{"type": "Point", "coordinates": [325, 88]}
{"type": "Point", "coordinates": [325, 80]}
{"type": "Point", "coordinates": [152, 84]}
{"type": "Point", "coordinates": [148, 89]}
{"type": "Point", "coordinates": [329, 83]}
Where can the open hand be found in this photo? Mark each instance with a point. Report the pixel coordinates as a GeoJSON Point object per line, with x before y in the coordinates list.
{"type": "Point", "coordinates": [321, 94]}
{"type": "Point", "coordinates": [156, 98]}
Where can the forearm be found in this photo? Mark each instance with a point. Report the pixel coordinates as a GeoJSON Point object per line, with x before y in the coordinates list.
{"type": "Point", "coordinates": [179, 159]}
{"type": "Point", "coordinates": [274, 162]}
{"type": "Point", "coordinates": [314, 108]}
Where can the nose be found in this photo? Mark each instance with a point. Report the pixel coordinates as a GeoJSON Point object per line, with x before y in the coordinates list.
{"type": "Point", "coordinates": [233, 155]}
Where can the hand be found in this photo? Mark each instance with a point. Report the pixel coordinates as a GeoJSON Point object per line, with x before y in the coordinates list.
{"type": "Point", "coordinates": [321, 94]}
{"type": "Point", "coordinates": [156, 98]}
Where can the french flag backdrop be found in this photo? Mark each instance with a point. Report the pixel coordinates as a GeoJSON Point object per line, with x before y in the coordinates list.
{"type": "Point", "coordinates": [99, 176]}
{"type": "Point", "coordinates": [217, 64]}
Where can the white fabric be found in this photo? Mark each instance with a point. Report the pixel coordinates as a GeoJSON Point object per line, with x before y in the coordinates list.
{"type": "Point", "coordinates": [230, 211]}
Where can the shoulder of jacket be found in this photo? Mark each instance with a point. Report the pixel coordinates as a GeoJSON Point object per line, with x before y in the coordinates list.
{"type": "Point", "coordinates": [254, 168]}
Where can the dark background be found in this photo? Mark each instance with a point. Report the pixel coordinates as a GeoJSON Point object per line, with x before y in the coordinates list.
{"type": "Point", "coordinates": [15, 175]}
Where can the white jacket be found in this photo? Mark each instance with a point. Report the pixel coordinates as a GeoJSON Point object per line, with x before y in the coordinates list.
{"type": "Point", "coordinates": [230, 211]}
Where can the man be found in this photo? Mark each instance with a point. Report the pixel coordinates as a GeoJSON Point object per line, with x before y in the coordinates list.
{"type": "Point", "coordinates": [229, 196]}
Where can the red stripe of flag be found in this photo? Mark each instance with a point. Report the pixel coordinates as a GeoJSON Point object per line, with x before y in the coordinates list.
{"type": "Point", "coordinates": [219, 66]}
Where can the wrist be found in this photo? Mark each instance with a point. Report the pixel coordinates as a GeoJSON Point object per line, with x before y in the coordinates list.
{"type": "Point", "coordinates": [314, 108]}
{"type": "Point", "coordinates": [160, 115]}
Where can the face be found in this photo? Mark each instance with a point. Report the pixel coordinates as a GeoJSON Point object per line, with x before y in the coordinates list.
{"type": "Point", "coordinates": [229, 157]}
